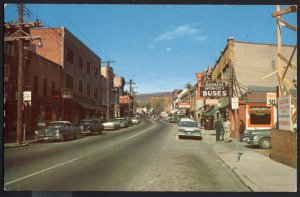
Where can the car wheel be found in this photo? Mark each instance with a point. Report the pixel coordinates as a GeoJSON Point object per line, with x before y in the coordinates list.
{"type": "Point", "coordinates": [265, 143]}
{"type": "Point", "coordinates": [62, 138]}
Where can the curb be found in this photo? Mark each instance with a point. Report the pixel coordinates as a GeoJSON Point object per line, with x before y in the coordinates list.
{"type": "Point", "coordinates": [15, 145]}
{"type": "Point", "coordinates": [244, 179]}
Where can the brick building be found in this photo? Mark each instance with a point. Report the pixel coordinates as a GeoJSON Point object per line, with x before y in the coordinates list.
{"type": "Point", "coordinates": [81, 74]}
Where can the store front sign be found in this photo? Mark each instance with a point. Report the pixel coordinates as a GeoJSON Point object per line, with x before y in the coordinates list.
{"type": "Point", "coordinates": [124, 99]}
{"type": "Point", "coordinates": [66, 93]}
{"type": "Point", "coordinates": [211, 101]}
{"type": "Point", "coordinates": [184, 105]}
{"type": "Point", "coordinates": [214, 90]}
{"type": "Point", "coordinates": [271, 99]}
{"type": "Point", "coordinates": [284, 113]}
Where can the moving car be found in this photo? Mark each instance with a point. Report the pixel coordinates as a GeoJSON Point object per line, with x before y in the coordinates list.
{"type": "Point", "coordinates": [111, 124]}
{"type": "Point", "coordinates": [189, 128]}
{"type": "Point", "coordinates": [261, 138]}
{"type": "Point", "coordinates": [173, 118]}
{"type": "Point", "coordinates": [58, 130]}
{"type": "Point", "coordinates": [123, 122]}
{"type": "Point", "coordinates": [91, 125]}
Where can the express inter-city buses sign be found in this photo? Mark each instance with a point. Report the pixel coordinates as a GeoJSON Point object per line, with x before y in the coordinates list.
{"type": "Point", "coordinates": [214, 89]}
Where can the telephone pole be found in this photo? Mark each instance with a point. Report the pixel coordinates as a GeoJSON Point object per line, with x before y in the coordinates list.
{"type": "Point", "coordinates": [107, 86]}
{"type": "Point", "coordinates": [130, 94]}
{"type": "Point", "coordinates": [21, 34]}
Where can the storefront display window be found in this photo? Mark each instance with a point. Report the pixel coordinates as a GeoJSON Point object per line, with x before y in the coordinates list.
{"type": "Point", "coordinates": [260, 116]}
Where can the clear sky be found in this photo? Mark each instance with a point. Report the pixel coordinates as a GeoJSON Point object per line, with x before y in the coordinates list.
{"type": "Point", "coordinates": [160, 47]}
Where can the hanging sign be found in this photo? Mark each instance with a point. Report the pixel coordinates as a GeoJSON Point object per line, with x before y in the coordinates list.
{"type": "Point", "coordinates": [235, 103]}
{"type": "Point", "coordinates": [284, 113]}
{"type": "Point", "coordinates": [214, 90]}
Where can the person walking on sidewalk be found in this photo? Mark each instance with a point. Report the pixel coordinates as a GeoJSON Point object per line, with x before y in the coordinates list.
{"type": "Point", "coordinates": [242, 130]}
{"type": "Point", "coordinates": [218, 129]}
{"type": "Point", "coordinates": [221, 129]}
{"type": "Point", "coordinates": [227, 129]}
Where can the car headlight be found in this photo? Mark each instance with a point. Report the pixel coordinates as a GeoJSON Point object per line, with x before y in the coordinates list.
{"type": "Point", "coordinates": [36, 132]}
{"type": "Point", "coordinates": [57, 131]}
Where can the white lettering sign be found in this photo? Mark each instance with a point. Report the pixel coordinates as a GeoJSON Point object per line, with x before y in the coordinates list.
{"type": "Point", "coordinates": [271, 99]}
{"type": "Point", "coordinates": [26, 95]}
{"type": "Point", "coordinates": [235, 103]}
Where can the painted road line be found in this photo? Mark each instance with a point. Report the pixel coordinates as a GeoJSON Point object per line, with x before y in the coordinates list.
{"type": "Point", "coordinates": [41, 171]}
{"type": "Point", "coordinates": [141, 132]}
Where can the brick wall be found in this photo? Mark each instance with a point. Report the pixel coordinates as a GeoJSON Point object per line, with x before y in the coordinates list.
{"type": "Point", "coordinates": [284, 147]}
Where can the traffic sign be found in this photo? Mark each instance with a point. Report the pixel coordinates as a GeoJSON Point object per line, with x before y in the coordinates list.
{"type": "Point", "coordinates": [235, 103]}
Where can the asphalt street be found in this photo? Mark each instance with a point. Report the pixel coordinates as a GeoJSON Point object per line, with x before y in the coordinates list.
{"type": "Point", "coordinates": [145, 157]}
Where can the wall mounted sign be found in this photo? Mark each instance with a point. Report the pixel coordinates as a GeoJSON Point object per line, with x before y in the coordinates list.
{"type": "Point", "coordinates": [214, 89]}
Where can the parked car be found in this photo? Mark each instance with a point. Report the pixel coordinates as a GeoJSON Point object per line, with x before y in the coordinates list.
{"type": "Point", "coordinates": [129, 120]}
{"type": "Point", "coordinates": [58, 130]}
{"type": "Point", "coordinates": [135, 120]}
{"type": "Point", "coordinates": [261, 138]}
{"type": "Point", "coordinates": [123, 122]}
{"type": "Point", "coordinates": [188, 127]}
{"type": "Point", "coordinates": [91, 125]}
{"type": "Point", "coordinates": [111, 124]}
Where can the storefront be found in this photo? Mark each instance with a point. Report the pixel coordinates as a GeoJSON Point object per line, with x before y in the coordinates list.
{"type": "Point", "coordinates": [260, 116]}
{"type": "Point", "coordinates": [209, 117]}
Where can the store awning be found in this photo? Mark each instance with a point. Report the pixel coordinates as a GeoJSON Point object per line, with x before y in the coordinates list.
{"type": "Point", "coordinates": [211, 111]}
{"type": "Point", "coordinates": [89, 106]}
{"type": "Point", "coordinates": [224, 103]}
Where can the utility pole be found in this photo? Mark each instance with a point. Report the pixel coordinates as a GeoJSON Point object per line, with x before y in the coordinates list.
{"type": "Point", "coordinates": [130, 94]}
{"type": "Point", "coordinates": [20, 35]}
{"type": "Point", "coordinates": [108, 87]}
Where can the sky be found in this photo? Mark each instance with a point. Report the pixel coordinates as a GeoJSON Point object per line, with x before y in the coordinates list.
{"type": "Point", "coordinates": [160, 47]}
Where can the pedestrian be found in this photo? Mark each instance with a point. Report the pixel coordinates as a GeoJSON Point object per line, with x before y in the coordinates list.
{"type": "Point", "coordinates": [221, 129]}
{"type": "Point", "coordinates": [199, 121]}
{"type": "Point", "coordinates": [242, 130]}
{"type": "Point", "coordinates": [227, 130]}
{"type": "Point", "coordinates": [218, 128]}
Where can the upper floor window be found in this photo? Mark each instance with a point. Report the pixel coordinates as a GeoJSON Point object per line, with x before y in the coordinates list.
{"type": "Point", "coordinates": [95, 92]}
{"type": "Point", "coordinates": [80, 87]}
{"type": "Point", "coordinates": [45, 87]}
{"type": "Point", "coordinates": [88, 90]}
{"type": "Point", "coordinates": [70, 55]}
{"type": "Point", "coordinates": [35, 84]}
{"type": "Point", "coordinates": [53, 86]}
{"type": "Point", "coordinates": [9, 48]}
{"type": "Point", "coordinates": [69, 81]}
{"type": "Point", "coordinates": [88, 68]}
{"type": "Point", "coordinates": [80, 62]}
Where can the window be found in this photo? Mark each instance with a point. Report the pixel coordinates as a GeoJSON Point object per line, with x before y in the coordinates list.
{"type": "Point", "coordinates": [95, 92]}
{"type": "Point", "coordinates": [226, 72]}
{"type": "Point", "coordinates": [53, 86]}
{"type": "Point", "coordinates": [69, 81]}
{"type": "Point", "coordinates": [88, 91]}
{"type": "Point", "coordinates": [88, 68]}
{"type": "Point", "coordinates": [80, 62]}
{"type": "Point", "coordinates": [45, 87]}
{"type": "Point", "coordinates": [9, 48]}
{"type": "Point", "coordinates": [260, 115]}
{"type": "Point", "coordinates": [70, 55]}
{"type": "Point", "coordinates": [35, 84]}
{"type": "Point", "coordinates": [80, 88]}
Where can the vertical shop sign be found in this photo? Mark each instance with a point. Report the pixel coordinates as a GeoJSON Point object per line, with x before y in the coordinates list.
{"type": "Point", "coordinates": [284, 113]}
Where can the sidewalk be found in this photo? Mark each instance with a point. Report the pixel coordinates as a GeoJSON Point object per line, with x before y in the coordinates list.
{"type": "Point", "coordinates": [258, 172]}
{"type": "Point", "coordinates": [11, 141]}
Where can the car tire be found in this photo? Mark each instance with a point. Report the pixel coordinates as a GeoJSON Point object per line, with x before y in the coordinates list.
{"type": "Point", "coordinates": [62, 138]}
{"type": "Point", "coordinates": [265, 143]}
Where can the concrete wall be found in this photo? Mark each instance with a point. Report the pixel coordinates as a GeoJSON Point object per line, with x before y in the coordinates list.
{"type": "Point", "coordinates": [284, 147]}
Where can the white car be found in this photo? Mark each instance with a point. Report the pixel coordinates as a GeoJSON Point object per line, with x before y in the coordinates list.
{"type": "Point", "coordinates": [111, 125]}
{"type": "Point", "coordinates": [135, 120]}
{"type": "Point", "coordinates": [188, 127]}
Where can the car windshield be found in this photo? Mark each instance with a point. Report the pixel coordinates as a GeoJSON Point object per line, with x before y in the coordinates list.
{"type": "Point", "coordinates": [120, 120]}
{"type": "Point", "coordinates": [188, 124]}
{"type": "Point", "coordinates": [56, 124]}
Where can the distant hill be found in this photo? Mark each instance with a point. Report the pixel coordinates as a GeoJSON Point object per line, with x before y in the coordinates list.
{"type": "Point", "coordinates": [143, 99]}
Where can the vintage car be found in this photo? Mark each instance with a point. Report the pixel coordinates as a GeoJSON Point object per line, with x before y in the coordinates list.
{"type": "Point", "coordinates": [123, 122]}
{"type": "Point", "coordinates": [189, 128]}
{"type": "Point", "coordinates": [91, 125]}
{"type": "Point", "coordinates": [58, 130]}
{"type": "Point", "coordinates": [111, 124]}
{"type": "Point", "coordinates": [261, 138]}
{"type": "Point", "coordinates": [135, 120]}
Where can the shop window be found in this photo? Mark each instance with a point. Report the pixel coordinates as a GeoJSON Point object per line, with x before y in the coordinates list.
{"type": "Point", "coordinates": [70, 55]}
{"type": "Point", "coordinates": [260, 116]}
{"type": "Point", "coordinates": [69, 81]}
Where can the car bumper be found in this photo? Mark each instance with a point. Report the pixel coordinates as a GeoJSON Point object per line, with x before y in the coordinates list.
{"type": "Point", "coordinates": [195, 134]}
{"type": "Point", "coordinates": [48, 137]}
{"type": "Point", "coordinates": [86, 131]}
{"type": "Point", "coordinates": [251, 141]}
{"type": "Point", "coordinates": [109, 127]}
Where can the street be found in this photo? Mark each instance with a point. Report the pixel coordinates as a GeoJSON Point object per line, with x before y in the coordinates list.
{"type": "Point", "coordinates": [145, 157]}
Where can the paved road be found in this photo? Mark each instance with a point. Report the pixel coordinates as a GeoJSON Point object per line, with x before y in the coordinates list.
{"type": "Point", "coordinates": [146, 157]}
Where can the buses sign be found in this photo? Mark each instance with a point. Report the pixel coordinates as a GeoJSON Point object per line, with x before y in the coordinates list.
{"type": "Point", "coordinates": [214, 90]}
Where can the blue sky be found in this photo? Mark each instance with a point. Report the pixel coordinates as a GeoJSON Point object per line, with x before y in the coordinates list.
{"type": "Point", "coordinates": [160, 47]}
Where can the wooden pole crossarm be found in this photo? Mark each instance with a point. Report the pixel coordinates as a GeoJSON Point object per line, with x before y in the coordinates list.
{"type": "Point", "coordinates": [285, 11]}
{"type": "Point", "coordinates": [8, 39]}
{"type": "Point", "coordinates": [288, 82]}
{"type": "Point", "coordinates": [287, 24]}
{"type": "Point", "coordinates": [289, 62]}
{"type": "Point", "coordinates": [286, 61]}
{"type": "Point", "coordinates": [268, 75]}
